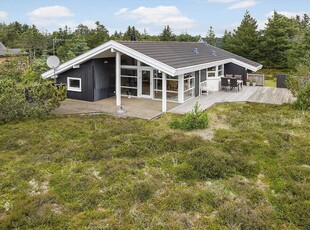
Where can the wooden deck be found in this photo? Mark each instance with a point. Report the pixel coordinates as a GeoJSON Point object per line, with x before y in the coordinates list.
{"type": "Point", "coordinates": [267, 95]}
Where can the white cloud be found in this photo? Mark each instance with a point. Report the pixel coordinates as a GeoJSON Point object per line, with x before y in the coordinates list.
{"type": "Point", "coordinates": [50, 12]}
{"type": "Point", "coordinates": [222, 1]}
{"type": "Point", "coordinates": [3, 15]}
{"type": "Point", "coordinates": [121, 11]}
{"type": "Point", "coordinates": [286, 13]}
{"type": "Point", "coordinates": [158, 16]}
{"type": "Point", "coordinates": [243, 4]}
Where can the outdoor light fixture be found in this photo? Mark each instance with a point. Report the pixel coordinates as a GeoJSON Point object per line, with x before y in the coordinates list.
{"type": "Point", "coordinates": [105, 62]}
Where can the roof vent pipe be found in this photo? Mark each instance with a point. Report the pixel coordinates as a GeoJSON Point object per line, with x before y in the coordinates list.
{"type": "Point", "coordinates": [214, 53]}
{"type": "Point", "coordinates": [195, 51]}
{"type": "Point", "coordinates": [133, 37]}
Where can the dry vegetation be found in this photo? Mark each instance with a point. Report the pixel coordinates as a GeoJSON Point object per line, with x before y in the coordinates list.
{"type": "Point", "coordinates": [99, 172]}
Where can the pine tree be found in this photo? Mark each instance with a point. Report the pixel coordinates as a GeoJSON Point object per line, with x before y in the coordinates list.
{"type": "Point", "coordinates": [226, 41]}
{"type": "Point", "coordinates": [167, 34]}
{"type": "Point", "coordinates": [245, 39]}
{"type": "Point", "coordinates": [210, 37]}
{"type": "Point", "coordinates": [277, 41]}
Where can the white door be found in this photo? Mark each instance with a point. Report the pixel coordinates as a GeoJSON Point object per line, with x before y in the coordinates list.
{"type": "Point", "coordinates": [145, 79]}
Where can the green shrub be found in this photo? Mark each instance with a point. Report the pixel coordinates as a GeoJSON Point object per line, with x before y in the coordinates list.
{"type": "Point", "coordinates": [144, 190]}
{"type": "Point", "coordinates": [210, 163]}
{"type": "Point", "coordinates": [303, 98]}
{"type": "Point", "coordinates": [196, 119]}
{"type": "Point", "coordinates": [20, 100]}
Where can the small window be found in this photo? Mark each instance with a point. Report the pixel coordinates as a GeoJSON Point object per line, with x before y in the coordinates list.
{"type": "Point", "coordinates": [74, 84]}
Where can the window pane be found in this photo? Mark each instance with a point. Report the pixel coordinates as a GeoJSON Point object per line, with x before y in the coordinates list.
{"type": "Point", "coordinates": [192, 83]}
{"type": "Point", "coordinates": [211, 74]}
{"type": "Point", "coordinates": [74, 83]}
{"type": "Point", "coordinates": [171, 96]}
{"type": "Point", "coordinates": [189, 94]}
{"type": "Point", "coordinates": [129, 92]}
{"type": "Point", "coordinates": [172, 85]}
{"type": "Point", "coordinates": [126, 60]}
{"type": "Point", "coordinates": [129, 72]}
{"type": "Point", "coordinates": [186, 84]}
{"type": "Point", "coordinates": [157, 74]}
{"type": "Point", "coordinates": [211, 68]}
{"type": "Point", "coordinates": [220, 67]}
{"type": "Point", "coordinates": [129, 81]}
{"type": "Point", "coordinates": [158, 84]}
{"type": "Point", "coordinates": [203, 75]}
{"type": "Point", "coordinates": [157, 94]}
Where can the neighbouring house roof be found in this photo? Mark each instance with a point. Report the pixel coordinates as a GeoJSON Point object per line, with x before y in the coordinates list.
{"type": "Point", "coordinates": [7, 52]}
{"type": "Point", "coordinates": [173, 58]}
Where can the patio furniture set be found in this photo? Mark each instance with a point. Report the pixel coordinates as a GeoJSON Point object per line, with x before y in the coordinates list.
{"type": "Point", "coordinates": [231, 81]}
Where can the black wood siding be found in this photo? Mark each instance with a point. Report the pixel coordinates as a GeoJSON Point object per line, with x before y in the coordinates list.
{"type": "Point", "coordinates": [97, 79]}
{"type": "Point", "coordinates": [104, 78]}
{"type": "Point", "coordinates": [197, 83]}
{"type": "Point", "coordinates": [232, 68]}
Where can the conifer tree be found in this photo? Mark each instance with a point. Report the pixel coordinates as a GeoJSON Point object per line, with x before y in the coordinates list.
{"type": "Point", "coordinates": [210, 38]}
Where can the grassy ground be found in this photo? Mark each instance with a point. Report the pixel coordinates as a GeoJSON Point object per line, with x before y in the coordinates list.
{"type": "Point", "coordinates": [249, 170]}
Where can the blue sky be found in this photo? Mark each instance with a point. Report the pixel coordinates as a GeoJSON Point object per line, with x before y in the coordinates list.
{"type": "Point", "coordinates": [191, 16]}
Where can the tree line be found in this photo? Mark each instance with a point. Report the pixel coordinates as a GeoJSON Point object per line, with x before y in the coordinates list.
{"type": "Point", "coordinates": [281, 44]}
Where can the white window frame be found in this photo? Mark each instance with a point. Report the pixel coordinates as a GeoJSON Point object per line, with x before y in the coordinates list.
{"type": "Point", "coordinates": [75, 89]}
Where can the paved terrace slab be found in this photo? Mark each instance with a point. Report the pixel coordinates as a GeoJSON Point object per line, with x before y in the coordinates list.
{"type": "Point", "coordinates": [135, 107]}
{"type": "Point", "coordinates": [267, 95]}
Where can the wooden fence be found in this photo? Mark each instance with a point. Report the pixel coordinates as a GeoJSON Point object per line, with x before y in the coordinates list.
{"type": "Point", "coordinates": [258, 78]}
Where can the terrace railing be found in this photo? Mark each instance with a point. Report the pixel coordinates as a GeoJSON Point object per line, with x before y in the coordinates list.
{"type": "Point", "coordinates": [258, 78]}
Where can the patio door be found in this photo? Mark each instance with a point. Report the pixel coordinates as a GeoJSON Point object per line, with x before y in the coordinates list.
{"type": "Point", "coordinates": [145, 83]}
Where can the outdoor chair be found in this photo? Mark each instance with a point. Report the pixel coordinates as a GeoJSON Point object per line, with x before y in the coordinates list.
{"type": "Point", "coordinates": [203, 88]}
{"type": "Point", "coordinates": [224, 82]}
{"type": "Point", "coordinates": [234, 83]}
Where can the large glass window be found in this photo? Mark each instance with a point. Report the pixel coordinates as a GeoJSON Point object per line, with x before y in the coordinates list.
{"type": "Point", "coordinates": [158, 84]}
{"type": "Point", "coordinates": [129, 82]}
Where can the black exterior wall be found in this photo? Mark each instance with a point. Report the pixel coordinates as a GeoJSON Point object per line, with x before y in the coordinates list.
{"type": "Point", "coordinates": [232, 68]}
{"type": "Point", "coordinates": [97, 79]}
{"type": "Point", "coordinates": [104, 78]}
{"type": "Point", "coordinates": [197, 83]}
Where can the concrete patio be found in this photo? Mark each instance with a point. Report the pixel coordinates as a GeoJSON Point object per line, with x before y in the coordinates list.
{"type": "Point", "coordinates": [135, 107]}
{"type": "Point", "coordinates": [258, 94]}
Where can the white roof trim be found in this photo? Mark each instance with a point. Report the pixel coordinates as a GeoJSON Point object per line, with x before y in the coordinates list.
{"type": "Point", "coordinates": [141, 57]}
{"type": "Point", "coordinates": [117, 47]}
{"type": "Point", "coordinates": [189, 69]}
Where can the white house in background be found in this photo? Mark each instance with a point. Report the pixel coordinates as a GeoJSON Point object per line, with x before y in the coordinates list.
{"type": "Point", "coordinates": [166, 71]}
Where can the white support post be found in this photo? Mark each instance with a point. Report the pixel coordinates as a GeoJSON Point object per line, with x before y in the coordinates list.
{"type": "Point", "coordinates": [164, 93]}
{"type": "Point", "coordinates": [181, 88]}
{"type": "Point", "coordinates": [118, 79]}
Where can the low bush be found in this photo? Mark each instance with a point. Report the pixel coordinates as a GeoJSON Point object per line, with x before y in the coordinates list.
{"type": "Point", "coordinates": [20, 100]}
{"type": "Point", "coordinates": [303, 98]}
{"type": "Point", "coordinates": [210, 163]}
{"type": "Point", "coordinates": [196, 119]}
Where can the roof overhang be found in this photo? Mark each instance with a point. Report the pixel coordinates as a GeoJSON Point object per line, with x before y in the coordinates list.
{"type": "Point", "coordinates": [115, 46]}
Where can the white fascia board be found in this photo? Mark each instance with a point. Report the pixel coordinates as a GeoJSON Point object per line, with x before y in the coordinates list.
{"type": "Point", "coordinates": [216, 63]}
{"type": "Point", "coordinates": [116, 47]}
{"type": "Point", "coordinates": [78, 60]}
{"type": "Point", "coordinates": [245, 65]}
{"type": "Point", "coordinates": [194, 68]}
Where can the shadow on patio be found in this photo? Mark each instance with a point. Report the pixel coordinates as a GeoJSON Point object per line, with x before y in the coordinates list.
{"type": "Point", "coordinates": [135, 107]}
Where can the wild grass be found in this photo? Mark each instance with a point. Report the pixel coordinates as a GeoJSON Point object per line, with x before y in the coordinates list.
{"type": "Point", "coordinates": [97, 172]}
